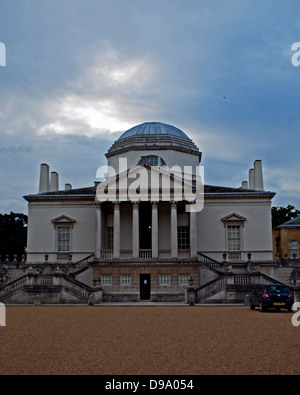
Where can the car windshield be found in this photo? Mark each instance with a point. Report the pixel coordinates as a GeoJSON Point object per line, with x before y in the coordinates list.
{"type": "Point", "coordinates": [277, 289]}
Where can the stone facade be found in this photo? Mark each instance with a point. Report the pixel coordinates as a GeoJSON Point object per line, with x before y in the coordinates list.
{"type": "Point", "coordinates": [91, 248]}
{"type": "Point", "coordinates": [286, 240]}
{"type": "Point", "coordinates": [167, 282]}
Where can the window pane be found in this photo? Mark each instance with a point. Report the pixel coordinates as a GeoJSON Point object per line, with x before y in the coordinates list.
{"type": "Point", "coordinates": [293, 246]}
{"type": "Point", "coordinates": [63, 241]}
{"type": "Point", "coordinates": [106, 279]}
{"type": "Point", "coordinates": [184, 279]}
{"type": "Point", "coordinates": [234, 238]}
{"type": "Point", "coordinates": [125, 279]}
{"type": "Point", "coordinates": [110, 238]}
{"type": "Point", "coordinates": [164, 279]}
{"type": "Point", "coordinates": [183, 237]}
{"type": "Point", "coordinates": [153, 160]}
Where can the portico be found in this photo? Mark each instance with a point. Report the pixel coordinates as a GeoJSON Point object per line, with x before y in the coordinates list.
{"type": "Point", "coordinates": [159, 226]}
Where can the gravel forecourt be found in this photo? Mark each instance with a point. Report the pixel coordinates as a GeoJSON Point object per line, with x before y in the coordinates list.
{"type": "Point", "coordinates": [103, 340]}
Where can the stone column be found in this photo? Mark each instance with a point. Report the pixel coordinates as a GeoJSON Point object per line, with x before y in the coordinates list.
{"type": "Point", "coordinates": [98, 231]}
{"type": "Point", "coordinates": [174, 236]}
{"type": "Point", "coordinates": [135, 230]}
{"type": "Point", "coordinates": [193, 233]}
{"type": "Point", "coordinates": [116, 230]}
{"type": "Point", "coordinates": [154, 230]}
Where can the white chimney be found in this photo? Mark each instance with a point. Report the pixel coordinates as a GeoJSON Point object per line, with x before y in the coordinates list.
{"type": "Point", "coordinates": [44, 178]}
{"type": "Point", "coordinates": [245, 184]}
{"type": "Point", "coordinates": [258, 176]}
{"type": "Point", "coordinates": [54, 183]}
{"type": "Point", "coordinates": [251, 179]}
{"type": "Point", "coordinates": [68, 187]}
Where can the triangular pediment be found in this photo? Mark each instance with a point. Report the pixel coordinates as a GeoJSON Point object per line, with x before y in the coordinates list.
{"type": "Point", "coordinates": [234, 218]}
{"type": "Point", "coordinates": [63, 219]}
{"type": "Point", "coordinates": [146, 182]}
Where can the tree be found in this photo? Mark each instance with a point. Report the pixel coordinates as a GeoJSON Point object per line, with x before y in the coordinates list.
{"type": "Point", "coordinates": [280, 215]}
{"type": "Point", "coordinates": [13, 234]}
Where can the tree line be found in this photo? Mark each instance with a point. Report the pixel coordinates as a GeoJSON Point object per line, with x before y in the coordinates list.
{"type": "Point", "coordinates": [13, 235]}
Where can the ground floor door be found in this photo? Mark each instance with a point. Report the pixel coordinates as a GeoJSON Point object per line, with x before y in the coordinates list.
{"type": "Point", "coordinates": [145, 286]}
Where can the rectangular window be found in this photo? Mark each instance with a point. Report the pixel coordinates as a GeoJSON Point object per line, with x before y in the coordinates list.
{"type": "Point", "coordinates": [46, 280]}
{"type": "Point", "coordinates": [184, 279]}
{"type": "Point", "coordinates": [293, 247]}
{"type": "Point", "coordinates": [183, 237]}
{"type": "Point", "coordinates": [125, 279]}
{"type": "Point", "coordinates": [106, 279]}
{"type": "Point", "coordinates": [164, 279]}
{"type": "Point", "coordinates": [110, 238]}
{"type": "Point", "coordinates": [63, 239]}
{"type": "Point", "coordinates": [234, 238]}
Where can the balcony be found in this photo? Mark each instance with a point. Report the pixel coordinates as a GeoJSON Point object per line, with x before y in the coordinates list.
{"type": "Point", "coordinates": [144, 254]}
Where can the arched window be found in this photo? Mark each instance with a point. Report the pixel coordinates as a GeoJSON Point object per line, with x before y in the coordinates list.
{"type": "Point", "coordinates": [152, 160]}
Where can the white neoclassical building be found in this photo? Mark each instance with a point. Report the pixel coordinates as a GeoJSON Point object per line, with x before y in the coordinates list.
{"type": "Point", "coordinates": [150, 228]}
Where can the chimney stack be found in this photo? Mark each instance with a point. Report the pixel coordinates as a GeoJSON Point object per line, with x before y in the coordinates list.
{"type": "Point", "coordinates": [245, 185]}
{"type": "Point", "coordinates": [258, 176]}
{"type": "Point", "coordinates": [251, 179]}
{"type": "Point", "coordinates": [54, 184]}
{"type": "Point", "coordinates": [68, 187]}
{"type": "Point", "coordinates": [44, 178]}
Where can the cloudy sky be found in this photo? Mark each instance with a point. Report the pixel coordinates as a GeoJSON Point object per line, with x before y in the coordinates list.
{"type": "Point", "coordinates": [80, 72]}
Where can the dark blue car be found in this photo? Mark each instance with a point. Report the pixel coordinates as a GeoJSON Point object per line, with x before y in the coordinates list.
{"type": "Point", "coordinates": [274, 296]}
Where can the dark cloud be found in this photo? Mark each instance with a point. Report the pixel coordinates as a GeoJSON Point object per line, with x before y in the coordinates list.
{"type": "Point", "coordinates": [79, 73]}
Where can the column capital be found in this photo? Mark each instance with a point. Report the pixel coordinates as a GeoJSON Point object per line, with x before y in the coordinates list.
{"type": "Point", "coordinates": [173, 204]}
{"type": "Point", "coordinates": [135, 205]}
{"type": "Point", "coordinates": [154, 205]}
{"type": "Point", "coordinates": [116, 205]}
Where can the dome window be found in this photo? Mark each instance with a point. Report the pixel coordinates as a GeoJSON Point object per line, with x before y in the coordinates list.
{"type": "Point", "coordinates": [152, 160]}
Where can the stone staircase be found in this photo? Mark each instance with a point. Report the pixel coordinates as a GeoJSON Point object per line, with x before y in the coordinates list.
{"type": "Point", "coordinates": [283, 274]}
{"type": "Point", "coordinates": [81, 266]}
{"type": "Point", "coordinates": [48, 284]}
{"type": "Point", "coordinates": [232, 288]}
{"type": "Point", "coordinates": [210, 264]}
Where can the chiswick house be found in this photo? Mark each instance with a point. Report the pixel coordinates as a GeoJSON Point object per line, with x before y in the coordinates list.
{"type": "Point", "coordinates": [149, 229]}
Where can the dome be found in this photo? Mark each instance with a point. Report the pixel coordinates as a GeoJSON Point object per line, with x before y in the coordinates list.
{"type": "Point", "coordinates": [153, 136]}
{"type": "Point", "coordinates": [154, 128]}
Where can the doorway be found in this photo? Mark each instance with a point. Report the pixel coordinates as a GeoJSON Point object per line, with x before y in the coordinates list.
{"type": "Point", "coordinates": [145, 286]}
{"type": "Point", "coordinates": [145, 224]}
